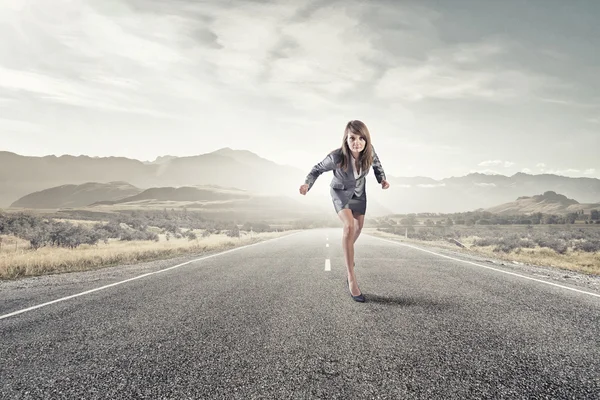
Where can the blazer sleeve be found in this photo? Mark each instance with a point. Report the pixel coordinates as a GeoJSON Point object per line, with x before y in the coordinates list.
{"type": "Point", "coordinates": [377, 167]}
{"type": "Point", "coordinates": [328, 164]}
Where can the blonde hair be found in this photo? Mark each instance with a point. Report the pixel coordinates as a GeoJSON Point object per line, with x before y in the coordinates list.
{"type": "Point", "coordinates": [365, 158]}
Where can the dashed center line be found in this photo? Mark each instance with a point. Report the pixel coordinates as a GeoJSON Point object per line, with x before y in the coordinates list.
{"type": "Point", "coordinates": [327, 265]}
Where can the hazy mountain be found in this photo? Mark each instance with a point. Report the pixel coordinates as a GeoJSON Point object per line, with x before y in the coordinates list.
{"type": "Point", "coordinates": [547, 203]}
{"type": "Point", "coordinates": [187, 193]}
{"type": "Point", "coordinates": [245, 170]}
{"type": "Point", "coordinates": [229, 168]}
{"type": "Point", "coordinates": [22, 175]}
{"type": "Point", "coordinates": [160, 160]}
{"type": "Point", "coordinates": [475, 191]}
{"type": "Point", "coordinates": [215, 202]}
{"type": "Point", "coordinates": [76, 195]}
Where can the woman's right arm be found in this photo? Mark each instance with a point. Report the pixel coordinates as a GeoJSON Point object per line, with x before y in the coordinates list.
{"type": "Point", "coordinates": [328, 164]}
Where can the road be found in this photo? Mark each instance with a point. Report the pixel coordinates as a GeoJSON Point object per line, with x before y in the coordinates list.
{"type": "Point", "coordinates": [275, 320]}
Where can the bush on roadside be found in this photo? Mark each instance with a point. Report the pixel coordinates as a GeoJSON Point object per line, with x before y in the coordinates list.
{"type": "Point", "coordinates": [138, 235]}
{"type": "Point", "coordinates": [588, 246]}
{"type": "Point", "coordinates": [233, 232]}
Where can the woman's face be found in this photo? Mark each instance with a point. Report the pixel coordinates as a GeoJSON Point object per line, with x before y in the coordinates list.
{"type": "Point", "coordinates": [356, 143]}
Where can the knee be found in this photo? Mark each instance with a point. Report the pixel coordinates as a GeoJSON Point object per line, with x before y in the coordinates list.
{"type": "Point", "coordinates": [348, 229]}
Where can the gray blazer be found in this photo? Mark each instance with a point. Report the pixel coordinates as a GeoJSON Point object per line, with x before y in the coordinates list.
{"type": "Point", "coordinates": [343, 182]}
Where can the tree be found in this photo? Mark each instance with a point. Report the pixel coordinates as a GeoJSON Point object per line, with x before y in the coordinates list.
{"type": "Point", "coordinates": [594, 215]}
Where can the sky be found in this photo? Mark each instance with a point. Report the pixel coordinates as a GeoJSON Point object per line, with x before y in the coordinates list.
{"type": "Point", "coordinates": [446, 88]}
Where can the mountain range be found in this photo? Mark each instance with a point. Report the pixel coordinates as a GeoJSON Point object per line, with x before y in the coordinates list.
{"type": "Point", "coordinates": [213, 201]}
{"type": "Point", "coordinates": [547, 203]}
{"type": "Point", "coordinates": [71, 196]}
{"type": "Point", "coordinates": [21, 176]}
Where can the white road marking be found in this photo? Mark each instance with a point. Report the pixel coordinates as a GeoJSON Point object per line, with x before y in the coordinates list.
{"type": "Point", "coordinates": [138, 277]}
{"type": "Point", "coordinates": [485, 266]}
{"type": "Point", "coordinates": [327, 245]}
{"type": "Point", "coordinates": [327, 265]}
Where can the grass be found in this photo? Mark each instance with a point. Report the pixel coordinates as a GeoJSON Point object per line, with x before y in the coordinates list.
{"type": "Point", "coordinates": [579, 261]}
{"type": "Point", "coordinates": [17, 260]}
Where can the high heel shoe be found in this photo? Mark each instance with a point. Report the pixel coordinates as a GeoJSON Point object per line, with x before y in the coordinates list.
{"type": "Point", "coordinates": [360, 298]}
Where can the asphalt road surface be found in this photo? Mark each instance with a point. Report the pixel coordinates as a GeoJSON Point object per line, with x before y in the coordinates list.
{"type": "Point", "coordinates": [275, 320]}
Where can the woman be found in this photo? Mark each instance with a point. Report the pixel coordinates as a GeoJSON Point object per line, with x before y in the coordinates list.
{"type": "Point", "coordinates": [350, 164]}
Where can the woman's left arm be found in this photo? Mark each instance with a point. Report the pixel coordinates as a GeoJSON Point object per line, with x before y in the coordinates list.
{"type": "Point", "coordinates": [377, 167]}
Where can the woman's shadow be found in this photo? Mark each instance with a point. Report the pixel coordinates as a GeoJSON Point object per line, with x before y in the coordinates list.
{"type": "Point", "coordinates": [408, 301]}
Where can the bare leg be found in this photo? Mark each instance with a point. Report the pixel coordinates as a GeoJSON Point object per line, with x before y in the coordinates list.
{"type": "Point", "coordinates": [358, 224]}
{"type": "Point", "coordinates": [348, 238]}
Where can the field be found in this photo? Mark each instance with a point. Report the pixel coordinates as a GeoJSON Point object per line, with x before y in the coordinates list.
{"type": "Point", "coordinates": [43, 243]}
{"type": "Point", "coordinates": [53, 242]}
{"type": "Point", "coordinates": [574, 247]}
{"type": "Point", "coordinates": [18, 259]}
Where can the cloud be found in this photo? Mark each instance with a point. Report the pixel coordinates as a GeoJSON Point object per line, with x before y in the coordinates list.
{"type": "Point", "coordinates": [305, 54]}
{"type": "Point", "coordinates": [568, 171]}
{"type": "Point", "coordinates": [573, 172]}
{"type": "Point", "coordinates": [70, 92]}
{"type": "Point", "coordinates": [496, 163]}
{"type": "Point", "coordinates": [101, 57]}
{"type": "Point", "coordinates": [540, 165]}
{"type": "Point", "coordinates": [247, 71]}
{"type": "Point", "coordinates": [14, 125]}
{"type": "Point", "coordinates": [483, 184]}
{"type": "Point", "coordinates": [570, 102]}
{"type": "Point", "coordinates": [485, 172]}
{"type": "Point", "coordinates": [289, 59]}
{"type": "Point", "coordinates": [431, 185]}
{"type": "Point", "coordinates": [526, 171]}
{"type": "Point", "coordinates": [463, 71]}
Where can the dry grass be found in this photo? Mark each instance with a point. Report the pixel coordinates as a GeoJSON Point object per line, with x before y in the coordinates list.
{"type": "Point", "coordinates": [80, 222]}
{"type": "Point", "coordinates": [578, 261]}
{"type": "Point", "coordinates": [19, 260]}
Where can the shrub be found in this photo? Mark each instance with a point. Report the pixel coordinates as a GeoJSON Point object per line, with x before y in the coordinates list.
{"type": "Point", "coordinates": [526, 243]}
{"type": "Point", "coordinates": [558, 245]}
{"type": "Point", "coordinates": [486, 241]}
{"type": "Point", "coordinates": [139, 235]}
{"type": "Point", "coordinates": [234, 232]}
{"type": "Point", "coordinates": [589, 246]}
{"type": "Point", "coordinates": [506, 247]}
{"type": "Point", "coordinates": [508, 243]}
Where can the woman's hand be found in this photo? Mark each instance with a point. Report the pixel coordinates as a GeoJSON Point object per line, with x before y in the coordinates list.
{"type": "Point", "coordinates": [304, 189]}
{"type": "Point", "coordinates": [384, 184]}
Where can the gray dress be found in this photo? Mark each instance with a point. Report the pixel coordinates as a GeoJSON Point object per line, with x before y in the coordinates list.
{"type": "Point", "coordinates": [347, 189]}
{"type": "Point", "coordinates": [358, 202]}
